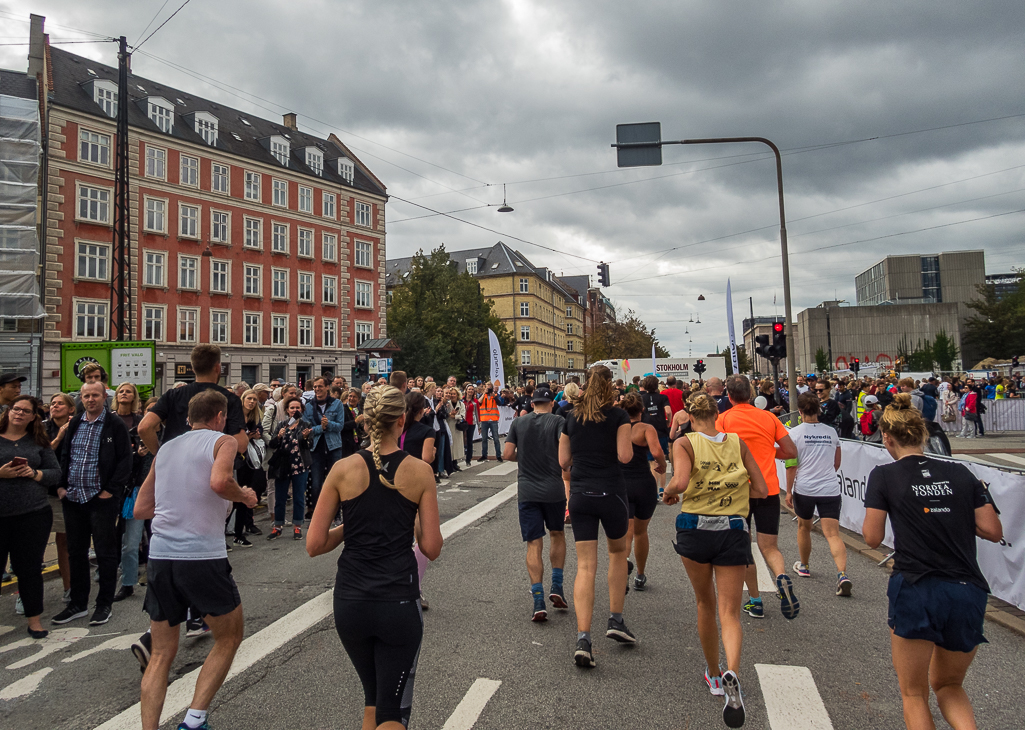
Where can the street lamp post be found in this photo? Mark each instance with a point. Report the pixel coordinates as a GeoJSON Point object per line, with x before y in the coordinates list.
{"type": "Point", "coordinates": [640, 145]}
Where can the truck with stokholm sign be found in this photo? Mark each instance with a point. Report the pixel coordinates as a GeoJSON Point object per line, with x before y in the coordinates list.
{"type": "Point", "coordinates": [682, 368]}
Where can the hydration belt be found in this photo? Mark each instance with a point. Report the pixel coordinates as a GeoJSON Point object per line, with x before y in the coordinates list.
{"type": "Point", "coordinates": [687, 521]}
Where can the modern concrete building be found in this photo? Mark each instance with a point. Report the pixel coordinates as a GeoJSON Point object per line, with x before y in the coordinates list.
{"type": "Point", "coordinates": [922, 279]}
{"type": "Point", "coordinates": [1003, 285]}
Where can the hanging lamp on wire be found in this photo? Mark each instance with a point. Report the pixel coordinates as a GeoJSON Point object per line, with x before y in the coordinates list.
{"type": "Point", "coordinates": [506, 208]}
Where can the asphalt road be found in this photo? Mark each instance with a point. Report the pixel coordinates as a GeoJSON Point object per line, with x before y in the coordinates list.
{"type": "Point", "coordinates": [292, 671]}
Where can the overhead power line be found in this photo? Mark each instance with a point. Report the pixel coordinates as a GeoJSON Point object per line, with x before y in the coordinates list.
{"type": "Point", "coordinates": [136, 48]}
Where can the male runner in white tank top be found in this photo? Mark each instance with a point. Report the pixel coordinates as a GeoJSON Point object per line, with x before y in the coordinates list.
{"type": "Point", "coordinates": [188, 494]}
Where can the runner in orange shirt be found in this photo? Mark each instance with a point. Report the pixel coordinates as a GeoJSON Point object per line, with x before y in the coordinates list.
{"type": "Point", "coordinates": [768, 440]}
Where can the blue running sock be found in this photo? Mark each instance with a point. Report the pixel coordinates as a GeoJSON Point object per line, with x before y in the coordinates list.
{"type": "Point", "coordinates": [557, 576]}
{"type": "Point", "coordinates": [537, 590]}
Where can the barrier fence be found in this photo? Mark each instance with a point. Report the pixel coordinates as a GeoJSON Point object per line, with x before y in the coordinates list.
{"type": "Point", "coordinates": [1000, 415]}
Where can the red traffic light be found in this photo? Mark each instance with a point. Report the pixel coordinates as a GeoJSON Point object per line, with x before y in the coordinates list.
{"type": "Point", "coordinates": [777, 327]}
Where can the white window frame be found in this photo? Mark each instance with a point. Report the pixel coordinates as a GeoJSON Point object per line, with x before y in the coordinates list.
{"type": "Point", "coordinates": [105, 96]}
{"type": "Point", "coordinates": [363, 295]}
{"type": "Point", "coordinates": [279, 283]}
{"type": "Point", "coordinates": [346, 169]}
{"type": "Point", "coordinates": [188, 218]}
{"type": "Point", "coordinates": [304, 243]}
{"type": "Point", "coordinates": [102, 203]}
{"type": "Point", "coordinates": [329, 247]}
{"type": "Point", "coordinates": [569, 346]}
{"type": "Point", "coordinates": [279, 329]}
{"type": "Point", "coordinates": [305, 332]}
{"type": "Point", "coordinates": [364, 258]}
{"type": "Point", "coordinates": [274, 238]}
{"type": "Point", "coordinates": [281, 150]}
{"type": "Point", "coordinates": [249, 229]}
{"type": "Point", "coordinates": [183, 284]}
{"type": "Point", "coordinates": [279, 193]}
{"type": "Point", "coordinates": [328, 332]}
{"type": "Point", "coordinates": [226, 274]}
{"type": "Point", "coordinates": [188, 171]}
{"type": "Point", "coordinates": [524, 286]}
{"type": "Point", "coordinates": [363, 331]}
{"type": "Point", "coordinates": [304, 286]}
{"type": "Point", "coordinates": [252, 323]}
{"type": "Point", "coordinates": [188, 315]}
{"type": "Point", "coordinates": [151, 216]}
{"type": "Point", "coordinates": [524, 309]}
{"type": "Point", "coordinates": [149, 331]}
{"type": "Point", "coordinates": [253, 183]}
{"type": "Point", "coordinates": [328, 206]}
{"type": "Point", "coordinates": [363, 214]}
{"type": "Point", "coordinates": [471, 266]}
{"type": "Point", "coordinates": [305, 199]}
{"type": "Point", "coordinates": [315, 160]}
{"type": "Point", "coordinates": [93, 145]}
{"type": "Point", "coordinates": [524, 333]}
{"type": "Point", "coordinates": [220, 232]}
{"type": "Point", "coordinates": [161, 115]}
{"type": "Point", "coordinates": [569, 311]}
{"type": "Point", "coordinates": [100, 258]}
{"type": "Point", "coordinates": [206, 126]}
{"type": "Point", "coordinates": [247, 279]}
{"type": "Point", "coordinates": [156, 162]}
{"type": "Point", "coordinates": [325, 279]}
{"type": "Point", "coordinates": [215, 326]}
{"type": "Point", "coordinates": [219, 172]}
{"type": "Point", "coordinates": [100, 317]}
{"type": "Point", "coordinates": [524, 357]}
{"type": "Point", "coordinates": [157, 265]}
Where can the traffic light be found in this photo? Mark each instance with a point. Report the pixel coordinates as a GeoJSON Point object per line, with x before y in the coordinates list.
{"type": "Point", "coordinates": [855, 365]}
{"type": "Point", "coordinates": [700, 367]}
{"type": "Point", "coordinates": [779, 341]}
{"type": "Point", "coordinates": [762, 346]}
{"type": "Point", "coordinates": [603, 274]}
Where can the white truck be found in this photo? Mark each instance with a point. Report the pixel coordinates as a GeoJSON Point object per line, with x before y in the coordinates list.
{"type": "Point", "coordinates": [680, 367]}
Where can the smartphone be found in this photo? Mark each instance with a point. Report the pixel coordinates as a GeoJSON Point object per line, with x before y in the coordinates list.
{"type": "Point", "coordinates": [19, 461]}
{"type": "Point", "coordinates": [291, 421]}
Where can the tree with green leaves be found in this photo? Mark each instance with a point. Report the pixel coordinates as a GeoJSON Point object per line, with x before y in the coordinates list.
{"type": "Point", "coordinates": [944, 351]}
{"type": "Point", "coordinates": [918, 358]}
{"type": "Point", "coordinates": [822, 364]}
{"type": "Point", "coordinates": [440, 319]}
{"type": "Point", "coordinates": [626, 338]}
{"type": "Point", "coordinates": [997, 329]}
{"type": "Point", "coordinates": [742, 360]}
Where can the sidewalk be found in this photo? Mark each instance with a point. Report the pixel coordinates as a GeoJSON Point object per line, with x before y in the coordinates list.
{"type": "Point", "coordinates": [999, 442]}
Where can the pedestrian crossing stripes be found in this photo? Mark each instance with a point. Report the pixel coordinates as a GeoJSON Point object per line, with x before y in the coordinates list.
{"type": "Point", "coordinates": [472, 704]}
{"type": "Point", "coordinates": [792, 701]}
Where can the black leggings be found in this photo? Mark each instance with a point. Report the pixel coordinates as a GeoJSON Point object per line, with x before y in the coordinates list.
{"type": "Point", "coordinates": [24, 538]}
{"type": "Point", "coordinates": [382, 639]}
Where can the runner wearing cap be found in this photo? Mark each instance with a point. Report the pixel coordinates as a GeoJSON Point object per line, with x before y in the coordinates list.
{"type": "Point", "coordinates": [533, 440]}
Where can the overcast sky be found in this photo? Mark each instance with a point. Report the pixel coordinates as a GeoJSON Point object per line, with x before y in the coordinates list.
{"type": "Point", "coordinates": [447, 101]}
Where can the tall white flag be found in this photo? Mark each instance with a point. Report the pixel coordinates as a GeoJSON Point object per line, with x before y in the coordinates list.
{"type": "Point", "coordinates": [654, 368]}
{"type": "Point", "coordinates": [729, 321]}
{"type": "Point", "coordinates": [497, 367]}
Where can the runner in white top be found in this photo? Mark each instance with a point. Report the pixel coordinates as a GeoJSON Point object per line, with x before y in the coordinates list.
{"type": "Point", "coordinates": [188, 494]}
{"type": "Point", "coordinates": [812, 486]}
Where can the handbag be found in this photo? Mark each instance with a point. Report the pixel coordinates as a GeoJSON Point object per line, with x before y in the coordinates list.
{"type": "Point", "coordinates": [254, 453]}
{"type": "Point", "coordinates": [128, 508]}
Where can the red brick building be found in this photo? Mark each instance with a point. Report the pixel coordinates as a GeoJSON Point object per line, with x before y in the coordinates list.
{"type": "Point", "coordinates": [246, 233]}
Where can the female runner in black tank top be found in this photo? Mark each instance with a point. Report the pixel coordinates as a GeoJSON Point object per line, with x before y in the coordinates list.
{"type": "Point", "coordinates": [381, 493]}
{"type": "Point", "coordinates": [641, 487]}
{"type": "Point", "coordinates": [596, 441]}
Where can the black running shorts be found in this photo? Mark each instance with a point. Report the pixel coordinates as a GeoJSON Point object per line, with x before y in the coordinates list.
{"type": "Point", "coordinates": [641, 496]}
{"type": "Point", "coordinates": [765, 512]}
{"type": "Point", "coordinates": [587, 511]}
{"type": "Point", "coordinates": [828, 507]}
{"type": "Point", "coordinates": [715, 547]}
{"type": "Point", "coordinates": [536, 516]}
{"type": "Point", "coordinates": [174, 585]}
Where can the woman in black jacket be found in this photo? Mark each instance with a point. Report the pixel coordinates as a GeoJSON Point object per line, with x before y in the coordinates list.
{"type": "Point", "coordinates": [290, 466]}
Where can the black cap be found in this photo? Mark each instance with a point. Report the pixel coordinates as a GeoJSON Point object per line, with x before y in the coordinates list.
{"type": "Point", "coordinates": [12, 378]}
{"type": "Point", "coordinates": [542, 395]}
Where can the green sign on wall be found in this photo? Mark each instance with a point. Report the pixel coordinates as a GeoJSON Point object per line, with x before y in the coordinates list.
{"type": "Point", "coordinates": [125, 362]}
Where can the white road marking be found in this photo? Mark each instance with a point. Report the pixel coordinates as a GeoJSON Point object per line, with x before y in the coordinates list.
{"type": "Point", "coordinates": [56, 641]}
{"type": "Point", "coordinates": [6, 630]}
{"type": "Point", "coordinates": [118, 643]}
{"type": "Point", "coordinates": [25, 685]}
{"type": "Point", "coordinates": [1014, 459]}
{"type": "Point", "coordinates": [472, 704]}
{"type": "Point", "coordinates": [286, 628]}
{"type": "Point", "coordinates": [792, 701]}
{"type": "Point", "coordinates": [502, 469]}
{"type": "Point", "coordinates": [766, 583]}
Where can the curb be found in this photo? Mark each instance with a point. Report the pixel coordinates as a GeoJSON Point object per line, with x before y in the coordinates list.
{"type": "Point", "coordinates": [1000, 612]}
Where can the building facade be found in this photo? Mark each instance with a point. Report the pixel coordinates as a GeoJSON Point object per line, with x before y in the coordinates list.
{"type": "Point", "coordinates": [922, 279]}
{"type": "Point", "coordinates": [245, 233]}
{"type": "Point", "coordinates": [542, 311]}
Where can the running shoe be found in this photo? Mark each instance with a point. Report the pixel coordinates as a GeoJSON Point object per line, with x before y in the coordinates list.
{"type": "Point", "coordinates": [100, 616]}
{"type": "Point", "coordinates": [733, 710]}
{"type": "Point", "coordinates": [557, 597]}
{"type": "Point", "coordinates": [482, 459]}
{"type": "Point", "coordinates": [754, 608]}
{"type": "Point", "coordinates": [583, 656]}
{"type": "Point", "coordinates": [714, 684]}
{"type": "Point", "coordinates": [141, 650]}
{"type": "Point", "coordinates": [844, 585]}
{"type": "Point", "coordinates": [275, 533]}
{"type": "Point", "coordinates": [540, 612]}
{"type": "Point", "coordinates": [640, 582]}
{"type": "Point", "coordinates": [618, 631]}
{"type": "Point", "coordinates": [204, 726]}
{"type": "Point", "coordinates": [196, 627]}
{"type": "Point", "coordinates": [242, 542]}
{"type": "Point", "coordinates": [789, 604]}
{"type": "Point", "coordinates": [802, 569]}
{"type": "Point", "coordinates": [70, 613]}
{"type": "Point", "coordinates": [297, 533]}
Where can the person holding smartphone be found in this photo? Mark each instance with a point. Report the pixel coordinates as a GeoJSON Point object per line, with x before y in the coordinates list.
{"type": "Point", "coordinates": [291, 464]}
{"type": "Point", "coordinates": [488, 410]}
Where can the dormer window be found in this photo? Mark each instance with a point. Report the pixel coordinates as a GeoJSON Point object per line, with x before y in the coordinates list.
{"type": "Point", "coordinates": [346, 170]}
{"type": "Point", "coordinates": [315, 160]}
{"type": "Point", "coordinates": [104, 93]}
{"type": "Point", "coordinates": [471, 266]}
{"type": "Point", "coordinates": [205, 125]}
{"type": "Point", "coordinates": [161, 113]}
{"type": "Point", "coordinates": [278, 146]}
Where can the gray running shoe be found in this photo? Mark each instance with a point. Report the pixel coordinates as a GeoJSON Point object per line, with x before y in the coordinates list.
{"type": "Point", "coordinates": [733, 711]}
{"type": "Point", "coordinates": [619, 632]}
{"type": "Point", "coordinates": [583, 656]}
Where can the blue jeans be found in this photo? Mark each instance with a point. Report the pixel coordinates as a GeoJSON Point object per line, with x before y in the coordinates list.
{"type": "Point", "coordinates": [298, 484]}
{"type": "Point", "coordinates": [130, 552]}
{"type": "Point", "coordinates": [491, 426]}
{"type": "Point", "coordinates": [322, 462]}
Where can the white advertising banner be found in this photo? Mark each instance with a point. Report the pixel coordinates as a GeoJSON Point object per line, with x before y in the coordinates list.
{"type": "Point", "coordinates": [729, 323]}
{"type": "Point", "coordinates": [1003, 563]}
{"type": "Point", "coordinates": [505, 417]}
{"type": "Point", "coordinates": [496, 367]}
